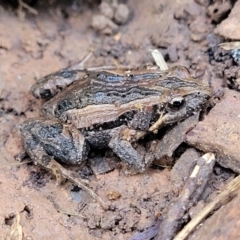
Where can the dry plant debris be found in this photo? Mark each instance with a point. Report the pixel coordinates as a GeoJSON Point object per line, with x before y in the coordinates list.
{"type": "Point", "coordinates": [188, 197]}
{"type": "Point", "coordinates": [222, 198]}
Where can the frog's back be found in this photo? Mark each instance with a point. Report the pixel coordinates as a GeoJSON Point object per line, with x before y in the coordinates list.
{"type": "Point", "coordinates": [98, 88]}
{"type": "Point", "coordinates": [103, 88]}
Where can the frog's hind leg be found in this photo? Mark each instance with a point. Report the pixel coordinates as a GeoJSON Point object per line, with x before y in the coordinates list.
{"type": "Point", "coordinates": [45, 140]}
{"type": "Point", "coordinates": [62, 141]}
{"type": "Point", "coordinates": [121, 144]}
{"type": "Point", "coordinates": [42, 138]}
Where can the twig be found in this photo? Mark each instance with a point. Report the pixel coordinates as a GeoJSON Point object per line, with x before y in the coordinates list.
{"type": "Point", "coordinates": [59, 209]}
{"type": "Point", "coordinates": [24, 5]}
{"type": "Point", "coordinates": [231, 187]}
{"type": "Point", "coordinates": [63, 172]}
{"type": "Point", "coordinates": [188, 197]}
{"type": "Point", "coordinates": [80, 65]}
{"type": "Point", "coordinates": [157, 56]}
{"type": "Point", "coordinates": [102, 68]}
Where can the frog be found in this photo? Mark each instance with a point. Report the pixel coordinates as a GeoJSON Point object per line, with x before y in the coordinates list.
{"type": "Point", "coordinates": [88, 109]}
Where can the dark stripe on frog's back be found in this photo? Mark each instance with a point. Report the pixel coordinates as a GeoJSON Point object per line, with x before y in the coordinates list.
{"type": "Point", "coordinates": [154, 80]}
{"type": "Point", "coordinates": [107, 77]}
{"type": "Point", "coordinates": [99, 96]}
{"type": "Point", "coordinates": [103, 88]}
{"type": "Point", "coordinates": [175, 83]}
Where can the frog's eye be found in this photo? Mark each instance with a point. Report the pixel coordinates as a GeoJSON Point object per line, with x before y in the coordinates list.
{"type": "Point", "coordinates": [176, 103]}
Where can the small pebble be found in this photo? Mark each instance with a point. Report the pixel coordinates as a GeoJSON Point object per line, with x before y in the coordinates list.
{"type": "Point", "coordinates": [106, 10]}
{"type": "Point", "coordinates": [122, 13]}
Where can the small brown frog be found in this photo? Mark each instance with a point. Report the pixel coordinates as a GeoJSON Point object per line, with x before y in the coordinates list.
{"type": "Point", "coordinates": [108, 109]}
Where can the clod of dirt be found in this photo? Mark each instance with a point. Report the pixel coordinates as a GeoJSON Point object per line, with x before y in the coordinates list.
{"type": "Point", "coordinates": [189, 11]}
{"type": "Point", "coordinates": [112, 14]}
{"type": "Point", "coordinates": [113, 48]}
{"type": "Point", "coordinates": [37, 179]}
{"type": "Point", "coordinates": [172, 53]}
{"type": "Point", "coordinates": [106, 10]}
{"type": "Point", "coordinates": [219, 9]}
{"type": "Point", "coordinates": [104, 24]}
{"type": "Point", "coordinates": [229, 28]}
{"type": "Point", "coordinates": [213, 40]}
{"type": "Point", "coordinates": [226, 65]}
{"type": "Point", "coordinates": [199, 27]}
{"type": "Point", "coordinates": [164, 37]}
{"type": "Point", "coordinates": [122, 13]}
{"type": "Point", "coordinates": [204, 3]}
{"type": "Point", "coordinates": [220, 132]}
{"type": "Point", "coordinates": [128, 224]}
{"type": "Point", "coordinates": [109, 220]}
{"type": "Point", "coordinates": [233, 74]}
{"type": "Point", "coordinates": [100, 165]}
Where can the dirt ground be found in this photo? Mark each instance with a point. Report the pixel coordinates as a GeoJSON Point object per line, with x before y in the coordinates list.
{"type": "Point", "coordinates": [50, 36]}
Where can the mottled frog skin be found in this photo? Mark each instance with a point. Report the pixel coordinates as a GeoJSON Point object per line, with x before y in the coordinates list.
{"type": "Point", "coordinates": [108, 109]}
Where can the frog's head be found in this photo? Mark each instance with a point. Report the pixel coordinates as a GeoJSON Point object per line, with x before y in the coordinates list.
{"type": "Point", "coordinates": [184, 96]}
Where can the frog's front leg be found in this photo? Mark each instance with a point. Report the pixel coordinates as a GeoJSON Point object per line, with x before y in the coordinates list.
{"type": "Point", "coordinates": [44, 138]}
{"type": "Point", "coordinates": [121, 144]}
{"type": "Point", "coordinates": [48, 86]}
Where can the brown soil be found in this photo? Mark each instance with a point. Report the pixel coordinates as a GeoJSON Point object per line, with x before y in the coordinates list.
{"type": "Point", "coordinates": [33, 45]}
